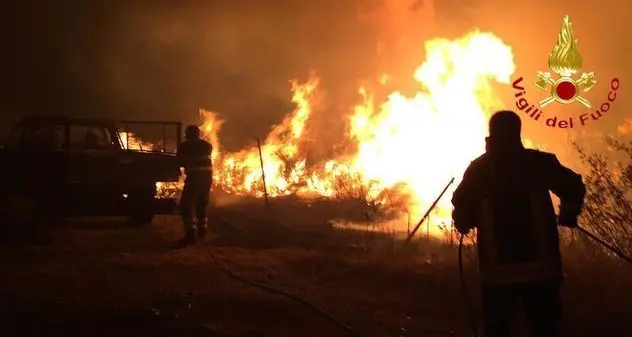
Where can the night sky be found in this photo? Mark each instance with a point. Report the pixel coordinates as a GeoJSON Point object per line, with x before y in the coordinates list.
{"type": "Point", "coordinates": [165, 59]}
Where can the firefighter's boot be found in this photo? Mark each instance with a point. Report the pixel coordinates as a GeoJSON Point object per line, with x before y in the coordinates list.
{"type": "Point", "coordinates": [188, 239]}
{"type": "Point", "coordinates": [202, 229]}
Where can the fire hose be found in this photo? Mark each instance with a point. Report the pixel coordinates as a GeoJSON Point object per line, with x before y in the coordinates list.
{"type": "Point", "coordinates": [468, 302]}
{"type": "Point", "coordinates": [345, 327]}
{"type": "Point", "coordinates": [268, 288]}
{"type": "Point", "coordinates": [604, 244]}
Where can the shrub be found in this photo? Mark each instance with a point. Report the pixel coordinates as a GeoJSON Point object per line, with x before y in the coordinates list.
{"type": "Point", "coordinates": [607, 208]}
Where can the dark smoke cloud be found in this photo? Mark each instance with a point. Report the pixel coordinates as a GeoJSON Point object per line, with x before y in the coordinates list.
{"type": "Point", "coordinates": [165, 59]}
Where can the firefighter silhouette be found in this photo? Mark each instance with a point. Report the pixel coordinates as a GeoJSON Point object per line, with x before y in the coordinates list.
{"type": "Point", "coordinates": [505, 196]}
{"type": "Point", "coordinates": [195, 157]}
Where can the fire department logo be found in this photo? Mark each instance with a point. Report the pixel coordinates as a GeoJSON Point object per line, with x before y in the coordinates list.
{"type": "Point", "coordinates": [565, 84]}
{"type": "Point", "coordinates": [565, 61]}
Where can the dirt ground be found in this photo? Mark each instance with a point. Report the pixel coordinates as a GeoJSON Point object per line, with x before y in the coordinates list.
{"type": "Point", "coordinates": [104, 278]}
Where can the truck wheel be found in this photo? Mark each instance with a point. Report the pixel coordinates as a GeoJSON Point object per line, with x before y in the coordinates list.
{"type": "Point", "coordinates": [140, 205]}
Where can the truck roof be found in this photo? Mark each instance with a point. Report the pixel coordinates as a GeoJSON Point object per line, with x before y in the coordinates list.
{"type": "Point", "coordinates": [52, 119]}
{"type": "Point", "coordinates": [46, 119]}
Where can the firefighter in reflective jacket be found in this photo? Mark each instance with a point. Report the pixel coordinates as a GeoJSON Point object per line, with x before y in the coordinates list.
{"type": "Point", "coordinates": [505, 195]}
{"type": "Point", "coordinates": [195, 157]}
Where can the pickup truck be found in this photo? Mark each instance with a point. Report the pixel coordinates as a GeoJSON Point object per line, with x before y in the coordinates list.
{"type": "Point", "coordinates": [87, 167]}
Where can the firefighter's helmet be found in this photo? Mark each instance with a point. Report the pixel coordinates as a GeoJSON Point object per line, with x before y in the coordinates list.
{"type": "Point", "coordinates": [192, 132]}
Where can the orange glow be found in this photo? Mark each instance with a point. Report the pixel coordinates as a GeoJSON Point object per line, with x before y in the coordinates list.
{"type": "Point", "coordinates": [407, 146]}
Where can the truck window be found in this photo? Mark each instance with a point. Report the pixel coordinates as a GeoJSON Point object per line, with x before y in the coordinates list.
{"type": "Point", "coordinates": [36, 136]}
{"type": "Point", "coordinates": [89, 137]}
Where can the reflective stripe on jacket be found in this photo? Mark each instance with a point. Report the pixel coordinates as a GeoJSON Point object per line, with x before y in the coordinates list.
{"type": "Point", "coordinates": [195, 156]}
{"type": "Point", "coordinates": [545, 266]}
{"type": "Point", "coordinates": [548, 270]}
{"type": "Point", "coordinates": [197, 163]}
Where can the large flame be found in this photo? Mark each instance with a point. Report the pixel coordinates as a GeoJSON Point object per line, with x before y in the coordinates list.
{"type": "Point", "coordinates": [425, 140]}
{"type": "Point", "coordinates": [280, 155]}
{"type": "Point", "coordinates": [406, 146]}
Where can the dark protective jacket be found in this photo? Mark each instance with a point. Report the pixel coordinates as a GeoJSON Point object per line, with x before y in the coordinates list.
{"type": "Point", "coordinates": [506, 197]}
{"type": "Point", "coordinates": [195, 156]}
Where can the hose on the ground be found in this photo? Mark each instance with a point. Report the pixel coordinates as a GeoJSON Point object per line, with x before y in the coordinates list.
{"type": "Point", "coordinates": [225, 270]}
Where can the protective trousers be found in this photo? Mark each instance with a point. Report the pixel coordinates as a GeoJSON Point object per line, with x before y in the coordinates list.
{"type": "Point", "coordinates": [541, 303]}
{"type": "Point", "coordinates": [194, 202]}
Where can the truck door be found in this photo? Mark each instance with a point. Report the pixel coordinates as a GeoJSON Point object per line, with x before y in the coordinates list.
{"type": "Point", "coordinates": [35, 161]}
{"type": "Point", "coordinates": [92, 155]}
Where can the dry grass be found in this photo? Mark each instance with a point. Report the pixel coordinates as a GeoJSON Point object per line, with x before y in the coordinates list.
{"type": "Point", "coordinates": [105, 279]}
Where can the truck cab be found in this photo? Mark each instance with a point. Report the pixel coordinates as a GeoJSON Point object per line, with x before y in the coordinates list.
{"type": "Point", "coordinates": [87, 167]}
